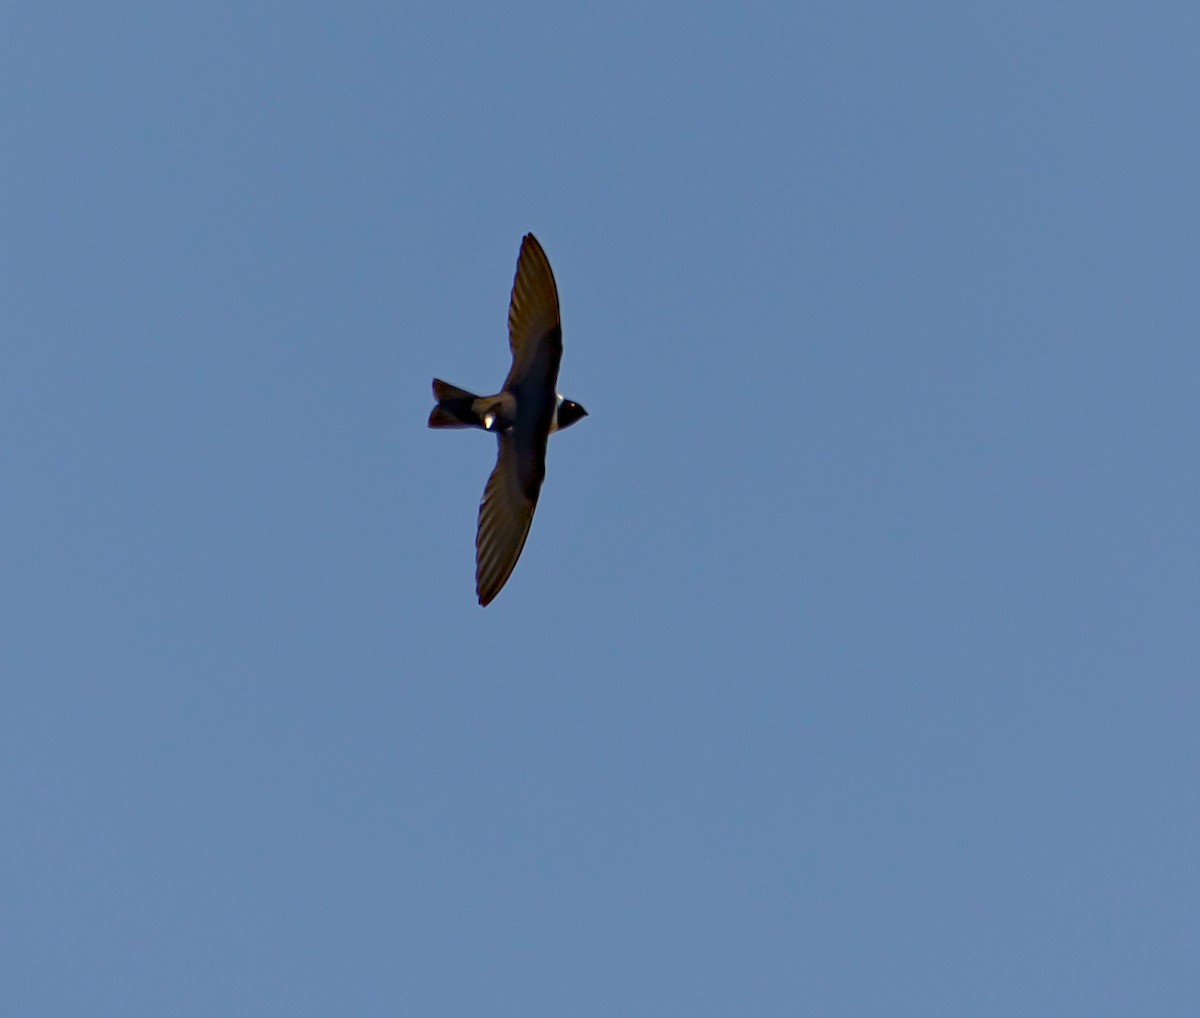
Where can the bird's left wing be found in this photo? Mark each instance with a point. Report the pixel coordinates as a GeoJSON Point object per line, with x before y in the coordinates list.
{"type": "Point", "coordinates": [506, 512]}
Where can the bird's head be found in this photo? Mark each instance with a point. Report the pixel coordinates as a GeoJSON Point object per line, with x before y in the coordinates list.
{"type": "Point", "coordinates": [568, 413]}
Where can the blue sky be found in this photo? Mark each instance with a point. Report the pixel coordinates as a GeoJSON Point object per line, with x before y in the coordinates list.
{"type": "Point", "coordinates": [852, 664]}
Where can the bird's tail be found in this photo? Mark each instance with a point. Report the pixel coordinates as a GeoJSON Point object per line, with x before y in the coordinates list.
{"type": "Point", "coordinates": [453, 408]}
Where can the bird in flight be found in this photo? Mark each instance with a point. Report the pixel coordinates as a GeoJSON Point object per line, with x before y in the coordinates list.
{"type": "Point", "coordinates": [521, 415]}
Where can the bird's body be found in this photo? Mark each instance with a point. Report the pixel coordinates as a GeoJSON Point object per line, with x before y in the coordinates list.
{"type": "Point", "coordinates": [522, 415]}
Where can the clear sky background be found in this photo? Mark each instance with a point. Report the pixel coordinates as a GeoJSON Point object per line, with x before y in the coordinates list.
{"type": "Point", "coordinates": [852, 666]}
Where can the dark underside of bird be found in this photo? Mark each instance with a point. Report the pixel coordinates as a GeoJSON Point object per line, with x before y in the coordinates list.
{"type": "Point", "coordinates": [522, 416]}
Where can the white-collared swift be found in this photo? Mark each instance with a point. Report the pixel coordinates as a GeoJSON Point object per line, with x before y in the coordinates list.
{"type": "Point", "coordinates": [522, 415]}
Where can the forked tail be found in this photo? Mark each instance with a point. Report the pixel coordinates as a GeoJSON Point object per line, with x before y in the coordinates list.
{"type": "Point", "coordinates": [453, 408]}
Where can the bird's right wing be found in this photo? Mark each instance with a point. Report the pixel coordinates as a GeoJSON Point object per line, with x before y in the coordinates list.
{"type": "Point", "coordinates": [534, 326]}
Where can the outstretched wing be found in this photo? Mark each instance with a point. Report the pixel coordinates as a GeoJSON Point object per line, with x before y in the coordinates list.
{"type": "Point", "coordinates": [506, 511]}
{"type": "Point", "coordinates": [534, 327]}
